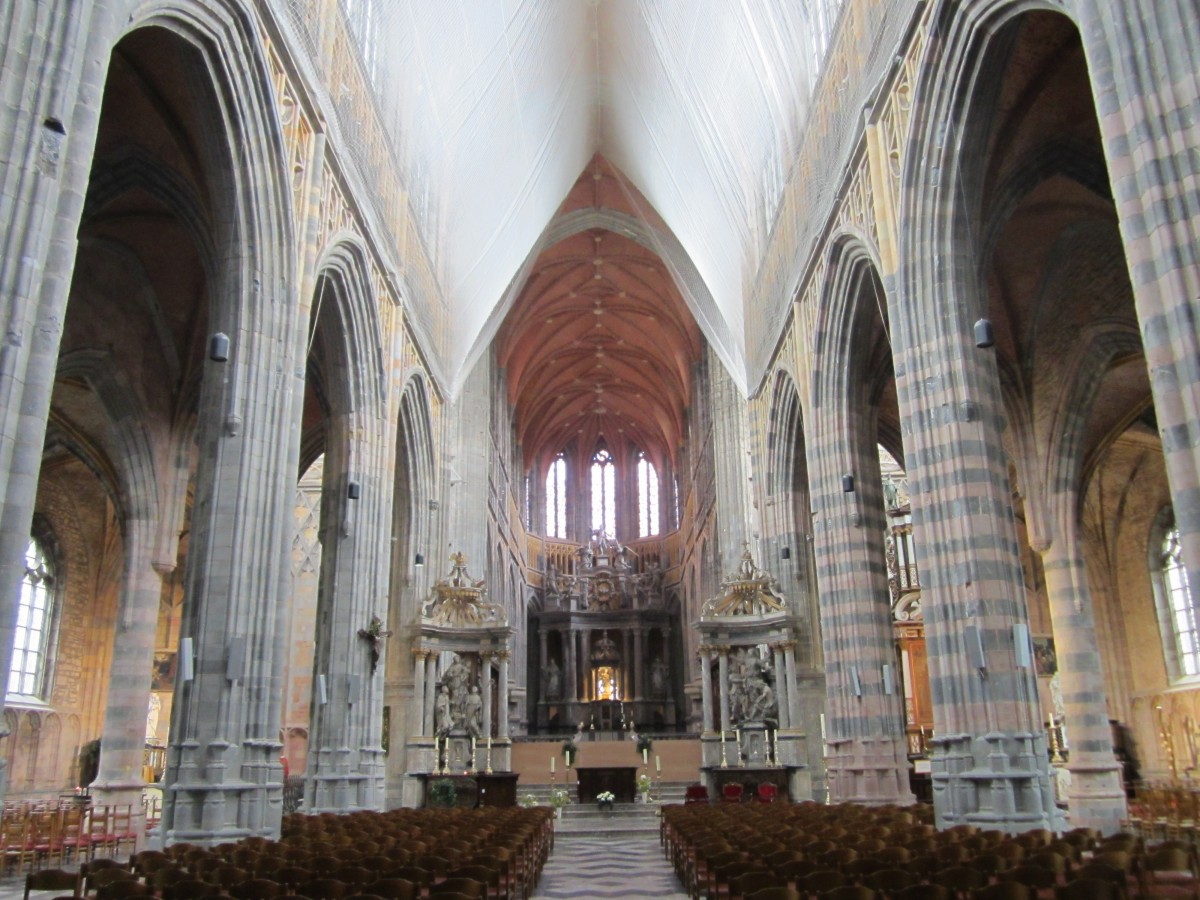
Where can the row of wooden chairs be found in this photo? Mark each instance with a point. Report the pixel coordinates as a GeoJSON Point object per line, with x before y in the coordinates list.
{"type": "Point", "coordinates": [33, 838]}
{"type": "Point", "coordinates": [733, 852]}
{"type": "Point", "coordinates": [481, 854]}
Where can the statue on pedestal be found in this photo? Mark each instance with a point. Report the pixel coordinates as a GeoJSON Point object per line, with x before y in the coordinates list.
{"type": "Point", "coordinates": [473, 712]}
{"type": "Point", "coordinates": [553, 679]}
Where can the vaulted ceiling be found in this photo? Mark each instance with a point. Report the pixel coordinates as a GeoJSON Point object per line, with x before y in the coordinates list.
{"type": "Point", "coordinates": [599, 343]}
{"type": "Point", "coordinates": [495, 108]}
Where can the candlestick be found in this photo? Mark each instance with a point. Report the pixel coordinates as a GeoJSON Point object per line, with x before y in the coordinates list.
{"type": "Point", "coordinates": [657, 764]}
{"type": "Point", "coordinates": [724, 763]}
{"type": "Point", "coordinates": [645, 752]}
{"type": "Point", "coordinates": [552, 762]}
{"type": "Point", "coordinates": [775, 745]}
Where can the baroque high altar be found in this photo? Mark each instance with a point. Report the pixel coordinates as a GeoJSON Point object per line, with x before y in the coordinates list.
{"type": "Point", "coordinates": [607, 658]}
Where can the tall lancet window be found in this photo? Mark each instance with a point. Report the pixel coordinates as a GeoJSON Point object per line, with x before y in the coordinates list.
{"type": "Point", "coordinates": [556, 498]}
{"type": "Point", "coordinates": [647, 483]}
{"type": "Point", "coordinates": [1180, 607]}
{"type": "Point", "coordinates": [35, 612]}
{"type": "Point", "coordinates": [604, 489]}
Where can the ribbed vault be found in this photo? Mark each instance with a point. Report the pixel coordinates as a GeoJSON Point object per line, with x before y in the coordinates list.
{"type": "Point", "coordinates": [599, 343]}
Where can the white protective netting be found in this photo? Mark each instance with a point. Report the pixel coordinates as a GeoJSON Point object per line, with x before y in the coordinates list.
{"type": "Point", "coordinates": [492, 108]}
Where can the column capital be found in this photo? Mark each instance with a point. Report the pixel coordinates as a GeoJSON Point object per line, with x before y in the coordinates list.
{"type": "Point", "coordinates": [500, 655]}
{"type": "Point", "coordinates": [784, 646]}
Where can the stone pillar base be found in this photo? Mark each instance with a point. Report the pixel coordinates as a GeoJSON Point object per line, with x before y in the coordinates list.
{"type": "Point", "coordinates": [869, 770]}
{"type": "Point", "coordinates": [996, 781]}
{"type": "Point", "coordinates": [1096, 797]}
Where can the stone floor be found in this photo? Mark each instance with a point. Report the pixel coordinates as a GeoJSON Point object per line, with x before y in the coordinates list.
{"type": "Point", "coordinates": [608, 855]}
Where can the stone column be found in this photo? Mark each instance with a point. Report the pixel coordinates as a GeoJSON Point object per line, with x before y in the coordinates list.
{"type": "Point", "coordinates": [419, 689]}
{"type": "Point", "coordinates": [666, 657]}
{"type": "Point", "coordinates": [782, 692]}
{"type": "Point", "coordinates": [630, 654]}
{"type": "Point", "coordinates": [639, 662]}
{"type": "Point", "coordinates": [1147, 111]}
{"type": "Point", "coordinates": [430, 691]}
{"type": "Point", "coordinates": [570, 670]}
{"type": "Point", "coordinates": [789, 659]}
{"type": "Point", "coordinates": [502, 691]}
{"type": "Point", "coordinates": [544, 661]}
{"type": "Point", "coordinates": [45, 176]}
{"type": "Point", "coordinates": [706, 699]}
{"type": "Point", "coordinates": [123, 738]}
{"type": "Point", "coordinates": [585, 663]}
{"type": "Point", "coordinates": [1097, 796]}
{"type": "Point", "coordinates": [723, 685]}
{"type": "Point", "coordinates": [485, 688]}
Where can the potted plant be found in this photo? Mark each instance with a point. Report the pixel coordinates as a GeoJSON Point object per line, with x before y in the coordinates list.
{"type": "Point", "coordinates": [558, 799]}
{"type": "Point", "coordinates": [643, 786]}
{"type": "Point", "coordinates": [529, 801]}
{"type": "Point", "coordinates": [569, 751]}
{"type": "Point", "coordinates": [605, 800]}
{"type": "Point", "coordinates": [442, 794]}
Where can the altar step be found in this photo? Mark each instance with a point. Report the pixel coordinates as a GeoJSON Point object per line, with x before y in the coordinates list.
{"type": "Point", "coordinates": [666, 793]}
{"type": "Point", "coordinates": [587, 820]}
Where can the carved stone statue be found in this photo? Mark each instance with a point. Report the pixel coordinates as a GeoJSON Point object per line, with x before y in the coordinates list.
{"type": "Point", "coordinates": [757, 695]}
{"type": "Point", "coordinates": [658, 676]}
{"type": "Point", "coordinates": [444, 717]}
{"type": "Point", "coordinates": [553, 678]}
{"type": "Point", "coordinates": [473, 709]}
{"type": "Point", "coordinates": [455, 678]}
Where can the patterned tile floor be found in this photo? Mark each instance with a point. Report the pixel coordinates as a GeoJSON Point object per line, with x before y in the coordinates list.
{"type": "Point", "coordinates": [584, 866]}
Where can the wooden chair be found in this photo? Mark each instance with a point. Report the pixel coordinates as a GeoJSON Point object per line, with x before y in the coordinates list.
{"type": "Point", "coordinates": [256, 889]}
{"type": "Point", "coordinates": [15, 842]}
{"type": "Point", "coordinates": [324, 889]}
{"type": "Point", "coordinates": [1176, 864]}
{"type": "Point", "coordinates": [888, 881]}
{"type": "Point", "coordinates": [960, 879]}
{"type": "Point", "coordinates": [396, 889]}
{"type": "Point", "coordinates": [467, 887]}
{"type": "Point", "coordinates": [774, 893]}
{"type": "Point", "coordinates": [849, 892]}
{"type": "Point", "coordinates": [1031, 876]}
{"type": "Point", "coordinates": [923, 892]}
{"type": "Point", "coordinates": [1086, 889]}
{"type": "Point", "coordinates": [119, 890]}
{"type": "Point", "coordinates": [1003, 890]}
{"type": "Point", "coordinates": [488, 876]}
{"type": "Point", "coordinates": [52, 880]}
{"type": "Point", "coordinates": [766, 792]}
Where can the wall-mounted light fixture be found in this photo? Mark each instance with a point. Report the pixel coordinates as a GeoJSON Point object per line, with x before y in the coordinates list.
{"type": "Point", "coordinates": [218, 347]}
{"type": "Point", "coordinates": [785, 553]}
{"type": "Point", "coordinates": [322, 691]}
{"type": "Point", "coordinates": [353, 490]}
{"type": "Point", "coordinates": [419, 559]}
{"type": "Point", "coordinates": [847, 483]}
{"type": "Point", "coordinates": [187, 665]}
{"type": "Point", "coordinates": [984, 336]}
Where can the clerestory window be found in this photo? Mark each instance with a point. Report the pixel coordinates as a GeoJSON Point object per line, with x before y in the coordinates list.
{"type": "Point", "coordinates": [604, 507]}
{"type": "Point", "coordinates": [647, 486]}
{"type": "Point", "coordinates": [556, 498]}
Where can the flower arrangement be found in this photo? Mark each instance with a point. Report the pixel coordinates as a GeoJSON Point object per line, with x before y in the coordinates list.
{"type": "Point", "coordinates": [528, 801]}
{"type": "Point", "coordinates": [559, 798]}
{"type": "Point", "coordinates": [643, 784]}
{"type": "Point", "coordinates": [569, 750]}
{"type": "Point", "coordinates": [606, 797]}
{"type": "Point", "coordinates": [644, 743]}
